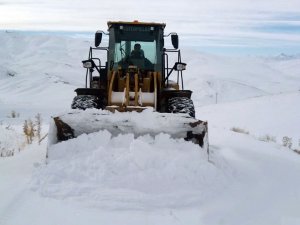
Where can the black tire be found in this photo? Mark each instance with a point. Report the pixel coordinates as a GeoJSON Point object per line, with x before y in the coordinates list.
{"type": "Point", "coordinates": [85, 102]}
{"type": "Point", "coordinates": [181, 105]}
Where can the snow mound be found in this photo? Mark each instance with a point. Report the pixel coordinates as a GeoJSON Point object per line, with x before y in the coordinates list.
{"type": "Point", "coordinates": [138, 123]}
{"type": "Point", "coordinates": [11, 141]}
{"type": "Point", "coordinates": [124, 172]}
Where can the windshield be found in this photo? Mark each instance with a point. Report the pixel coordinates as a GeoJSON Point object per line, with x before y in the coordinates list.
{"type": "Point", "coordinates": [139, 53]}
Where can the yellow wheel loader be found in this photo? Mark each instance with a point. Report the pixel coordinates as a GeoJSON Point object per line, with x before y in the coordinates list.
{"type": "Point", "coordinates": [137, 90]}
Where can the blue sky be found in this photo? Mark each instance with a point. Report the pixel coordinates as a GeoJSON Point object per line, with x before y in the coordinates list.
{"type": "Point", "coordinates": [264, 27]}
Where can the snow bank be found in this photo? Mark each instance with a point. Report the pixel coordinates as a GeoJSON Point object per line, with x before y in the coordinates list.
{"type": "Point", "coordinates": [124, 172]}
{"type": "Point", "coordinates": [11, 141]}
{"type": "Point", "coordinates": [275, 116]}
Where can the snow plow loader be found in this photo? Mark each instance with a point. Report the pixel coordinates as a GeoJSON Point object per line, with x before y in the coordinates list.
{"type": "Point", "coordinates": [132, 91]}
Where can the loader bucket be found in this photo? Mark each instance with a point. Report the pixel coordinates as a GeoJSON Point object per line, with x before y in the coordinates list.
{"type": "Point", "coordinates": [77, 122]}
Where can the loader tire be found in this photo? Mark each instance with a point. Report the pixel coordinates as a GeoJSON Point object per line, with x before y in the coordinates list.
{"type": "Point", "coordinates": [85, 102]}
{"type": "Point", "coordinates": [181, 105]}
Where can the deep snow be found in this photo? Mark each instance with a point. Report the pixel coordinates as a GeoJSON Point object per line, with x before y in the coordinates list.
{"type": "Point", "coordinates": [150, 180]}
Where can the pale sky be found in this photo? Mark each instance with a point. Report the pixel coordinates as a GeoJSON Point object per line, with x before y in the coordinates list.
{"type": "Point", "coordinates": [238, 26]}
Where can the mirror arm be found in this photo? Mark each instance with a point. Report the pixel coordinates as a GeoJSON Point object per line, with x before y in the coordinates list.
{"type": "Point", "coordinates": [101, 31]}
{"type": "Point", "coordinates": [172, 33]}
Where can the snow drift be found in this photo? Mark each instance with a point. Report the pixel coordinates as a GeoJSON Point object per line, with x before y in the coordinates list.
{"type": "Point", "coordinates": [127, 172]}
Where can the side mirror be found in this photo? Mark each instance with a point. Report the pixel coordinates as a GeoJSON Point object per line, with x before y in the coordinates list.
{"type": "Point", "coordinates": [98, 38]}
{"type": "Point", "coordinates": [179, 66]}
{"type": "Point", "coordinates": [89, 64]}
{"type": "Point", "coordinates": [174, 39]}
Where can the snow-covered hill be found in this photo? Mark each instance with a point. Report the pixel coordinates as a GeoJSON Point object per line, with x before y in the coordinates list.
{"type": "Point", "coordinates": [39, 73]}
{"type": "Point", "coordinates": [250, 178]}
{"type": "Point", "coordinates": [43, 70]}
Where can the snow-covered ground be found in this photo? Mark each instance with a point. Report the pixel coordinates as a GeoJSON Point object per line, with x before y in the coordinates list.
{"type": "Point", "coordinates": [250, 178]}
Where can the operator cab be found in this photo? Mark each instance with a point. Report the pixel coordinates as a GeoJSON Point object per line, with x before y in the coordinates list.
{"type": "Point", "coordinates": [136, 44]}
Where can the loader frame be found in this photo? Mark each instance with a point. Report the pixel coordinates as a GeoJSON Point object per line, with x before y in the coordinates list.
{"type": "Point", "coordinates": [103, 83]}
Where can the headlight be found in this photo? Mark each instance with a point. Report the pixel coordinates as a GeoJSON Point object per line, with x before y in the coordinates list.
{"type": "Point", "coordinates": [180, 66]}
{"type": "Point", "coordinates": [87, 64]}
